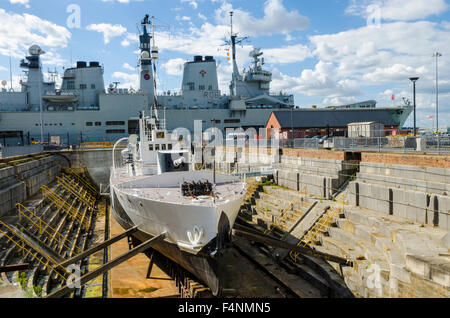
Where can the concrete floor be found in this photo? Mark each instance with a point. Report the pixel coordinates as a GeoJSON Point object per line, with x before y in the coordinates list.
{"type": "Point", "coordinates": [128, 279]}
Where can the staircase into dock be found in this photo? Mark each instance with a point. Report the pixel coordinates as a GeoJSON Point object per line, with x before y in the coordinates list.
{"type": "Point", "coordinates": [390, 220]}
{"type": "Point", "coordinates": [53, 226]}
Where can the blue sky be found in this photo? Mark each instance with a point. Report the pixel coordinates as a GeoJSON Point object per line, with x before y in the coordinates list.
{"type": "Point", "coordinates": [325, 52]}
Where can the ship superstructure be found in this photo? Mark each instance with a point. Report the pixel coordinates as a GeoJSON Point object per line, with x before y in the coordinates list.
{"type": "Point", "coordinates": [82, 109]}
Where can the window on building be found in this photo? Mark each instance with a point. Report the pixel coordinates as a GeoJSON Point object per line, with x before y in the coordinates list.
{"type": "Point", "coordinates": [115, 131]}
{"type": "Point", "coordinates": [70, 84]}
{"type": "Point", "coordinates": [115, 123]}
{"type": "Point", "coordinates": [210, 88]}
{"type": "Point", "coordinates": [133, 127]}
{"type": "Point", "coordinates": [92, 86]}
{"type": "Point", "coordinates": [201, 87]}
{"type": "Point", "coordinates": [98, 123]}
{"type": "Point", "coordinates": [170, 146]}
{"type": "Point", "coordinates": [156, 147]}
{"type": "Point", "coordinates": [83, 86]}
{"type": "Point", "coordinates": [191, 86]}
{"type": "Point", "coordinates": [160, 135]}
{"type": "Point", "coordinates": [89, 123]}
{"type": "Point", "coordinates": [150, 147]}
{"type": "Point", "coordinates": [163, 147]}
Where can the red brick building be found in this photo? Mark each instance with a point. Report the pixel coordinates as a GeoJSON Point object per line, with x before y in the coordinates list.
{"type": "Point", "coordinates": [333, 122]}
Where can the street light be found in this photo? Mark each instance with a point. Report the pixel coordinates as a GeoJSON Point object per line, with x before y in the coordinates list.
{"type": "Point", "coordinates": [437, 55]}
{"type": "Point", "coordinates": [414, 80]}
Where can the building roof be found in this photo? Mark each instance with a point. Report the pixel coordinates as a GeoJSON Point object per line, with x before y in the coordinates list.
{"type": "Point", "coordinates": [332, 117]}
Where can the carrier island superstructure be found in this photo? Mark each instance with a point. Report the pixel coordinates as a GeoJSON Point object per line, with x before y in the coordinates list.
{"type": "Point", "coordinates": [82, 109]}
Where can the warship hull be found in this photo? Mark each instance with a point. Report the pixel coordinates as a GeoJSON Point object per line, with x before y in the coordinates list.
{"type": "Point", "coordinates": [202, 267]}
{"type": "Point", "coordinates": [73, 125]}
{"type": "Point", "coordinates": [196, 234]}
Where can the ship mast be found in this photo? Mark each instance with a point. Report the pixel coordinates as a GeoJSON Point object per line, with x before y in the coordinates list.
{"type": "Point", "coordinates": [233, 48]}
{"type": "Point", "coordinates": [234, 40]}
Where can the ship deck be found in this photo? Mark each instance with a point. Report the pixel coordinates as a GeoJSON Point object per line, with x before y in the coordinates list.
{"type": "Point", "coordinates": [225, 192]}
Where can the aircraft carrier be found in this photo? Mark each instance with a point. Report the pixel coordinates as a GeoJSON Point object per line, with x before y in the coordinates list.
{"type": "Point", "coordinates": [83, 110]}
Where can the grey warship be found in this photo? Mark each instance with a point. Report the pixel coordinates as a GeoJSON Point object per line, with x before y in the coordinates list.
{"type": "Point", "coordinates": [84, 110]}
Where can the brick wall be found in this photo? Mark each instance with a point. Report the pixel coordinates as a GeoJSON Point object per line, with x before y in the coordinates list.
{"type": "Point", "coordinates": [421, 160]}
{"type": "Point", "coordinates": [313, 153]}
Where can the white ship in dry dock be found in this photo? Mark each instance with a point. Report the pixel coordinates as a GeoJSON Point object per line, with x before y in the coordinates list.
{"type": "Point", "coordinates": [158, 191]}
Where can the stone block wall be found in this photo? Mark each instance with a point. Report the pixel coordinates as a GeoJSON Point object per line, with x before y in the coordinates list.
{"type": "Point", "coordinates": [20, 182]}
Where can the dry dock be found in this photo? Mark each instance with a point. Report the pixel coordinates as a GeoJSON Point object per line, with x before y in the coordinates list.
{"type": "Point", "coordinates": [388, 214]}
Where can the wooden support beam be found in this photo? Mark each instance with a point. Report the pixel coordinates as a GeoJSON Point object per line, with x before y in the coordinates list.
{"type": "Point", "coordinates": [98, 247]}
{"type": "Point", "coordinates": [288, 246]}
{"type": "Point", "coordinates": [14, 268]}
{"type": "Point", "coordinates": [102, 269]}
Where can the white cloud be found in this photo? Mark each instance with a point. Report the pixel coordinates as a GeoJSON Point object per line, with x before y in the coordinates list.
{"type": "Point", "coordinates": [277, 19]}
{"type": "Point", "coordinates": [182, 18]}
{"type": "Point", "coordinates": [322, 81]}
{"type": "Point", "coordinates": [19, 32]}
{"type": "Point", "coordinates": [128, 67]}
{"type": "Point", "coordinates": [127, 80]}
{"type": "Point", "coordinates": [122, 1]}
{"type": "Point", "coordinates": [400, 10]}
{"type": "Point", "coordinates": [174, 66]}
{"type": "Point", "coordinates": [192, 3]}
{"type": "Point", "coordinates": [26, 3]}
{"type": "Point", "coordinates": [203, 17]}
{"type": "Point", "coordinates": [109, 31]}
{"type": "Point", "coordinates": [129, 38]}
{"type": "Point", "coordinates": [287, 54]}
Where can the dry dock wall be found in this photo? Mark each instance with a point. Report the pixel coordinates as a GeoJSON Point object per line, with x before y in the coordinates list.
{"type": "Point", "coordinates": [416, 193]}
{"type": "Point", "coordinates": [320, 172]}
{"type": "Point", "coordinates": [21, 181]}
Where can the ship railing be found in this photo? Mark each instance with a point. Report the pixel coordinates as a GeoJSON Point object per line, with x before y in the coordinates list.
{"type": "Point", "coordinates": [44, 227]}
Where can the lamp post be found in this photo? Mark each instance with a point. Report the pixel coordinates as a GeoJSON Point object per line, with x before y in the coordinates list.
{"type": "Point", "coordinates": [437, 55]}
{"type": "Point", "coordinates": [414, 80]}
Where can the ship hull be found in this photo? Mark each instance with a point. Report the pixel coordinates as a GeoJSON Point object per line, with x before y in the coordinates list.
{"type": "Point", "coordinates": [201, 260]}
{"type": "Point", "coordinates": [203, 268]}
{"type": "Point", "coordinates": [72, 127]}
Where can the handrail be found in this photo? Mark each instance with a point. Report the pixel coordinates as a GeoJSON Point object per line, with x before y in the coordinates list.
{"type": "Point", "coordinates": [97, 145]}
{"type": "Point", "coordinates": [321, 223]}
{"type": "Point", "coordinates": [80, 179]}
{"type": "Point", "coordinates": [61, 237]}
{"type": "Point", "coordinates": [72, 182]}
{"type": "Point", "coordinates": [61, 203]}
{"type": "Point", "coordinates": [47, 265]}
{"type": "Point", "coordinates": [71, 189]}
{"type": "Point", "coordinates": [274, 224]}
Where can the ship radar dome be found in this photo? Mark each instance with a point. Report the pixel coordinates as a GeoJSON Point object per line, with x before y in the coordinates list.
{"type": "Point", "coordinates": [35, 50]}
{"type": "Point", "coordinates": [145, 55]}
